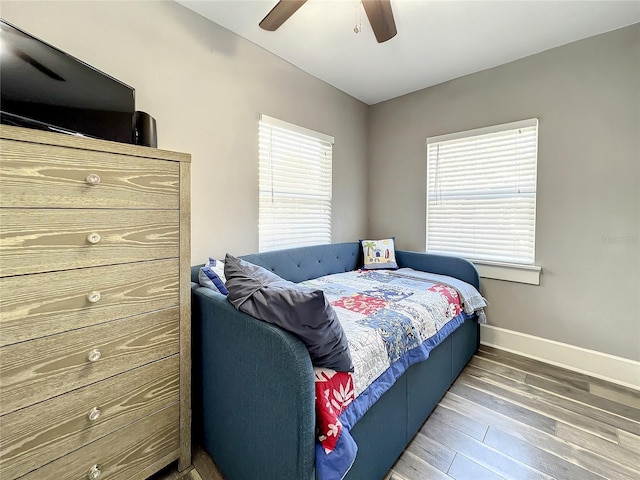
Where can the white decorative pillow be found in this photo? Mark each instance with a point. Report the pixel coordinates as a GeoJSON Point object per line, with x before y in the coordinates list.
{"type": "Point", "coordinates": [211, 276]}
{"type": "Point", "coordinates": [379, 253]}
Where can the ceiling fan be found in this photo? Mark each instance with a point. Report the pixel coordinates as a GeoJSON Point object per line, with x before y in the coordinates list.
{"type": "Point", "coordinates": [378, 11]}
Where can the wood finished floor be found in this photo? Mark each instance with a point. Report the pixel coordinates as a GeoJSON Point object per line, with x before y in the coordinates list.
{"type": "Point", "coordinates": [510, 417]}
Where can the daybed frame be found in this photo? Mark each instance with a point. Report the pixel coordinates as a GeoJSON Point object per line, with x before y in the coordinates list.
{"type": "Point", "coordinates": [254, 383]}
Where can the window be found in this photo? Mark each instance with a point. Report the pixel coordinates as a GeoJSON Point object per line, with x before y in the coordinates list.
{"type": "Point", "coordinates": [295, 185]}
{"type": "Point", "coordinates": [481, 193]}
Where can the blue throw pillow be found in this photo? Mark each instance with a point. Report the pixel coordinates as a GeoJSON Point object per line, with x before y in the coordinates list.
{"type": "Point", "coordinates": [211, 275]}
{"type": "Point", "coordinates": [301, 310]}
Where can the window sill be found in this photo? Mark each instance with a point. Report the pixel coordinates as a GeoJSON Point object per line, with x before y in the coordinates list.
{"type": "Point", "coordinates": [529, 274]}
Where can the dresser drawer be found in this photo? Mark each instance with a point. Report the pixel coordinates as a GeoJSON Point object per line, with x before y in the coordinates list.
{"type": "Point", "coordinates": [39, 434]}
{"type": "Point", "coordinates": [33, 371]}
{"type": "Point", "coordinates": [122, 455]}
{"type": "Point", "coordinates": [36, 176]}
{"type": "Point", "coordinates": [34, 306]}
{"type": "Point", "coordinates": [33, 241]}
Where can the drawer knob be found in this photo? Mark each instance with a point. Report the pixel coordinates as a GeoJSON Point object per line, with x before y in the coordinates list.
{"type": "Point", "coordinates": [94, 238]}
{"type": "Point", "coordinates": [92, 179]}
{"type": "Point", "coordinates": [94, 355]}
{"type": "Point", "coordinates": [94, 472]}
{"type": "Point", "coordinates": [94, 414]}
{"type": "Point", "coordinates": [94, 297]}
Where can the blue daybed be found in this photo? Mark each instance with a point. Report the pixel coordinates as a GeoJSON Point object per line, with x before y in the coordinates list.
{"type": "Point", "coordinates": [254, 382]}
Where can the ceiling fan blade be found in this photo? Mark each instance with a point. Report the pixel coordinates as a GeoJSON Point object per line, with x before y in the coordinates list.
{"type": "Point", "coordinates": [380, 18]}
{"type": "Point", "coordinates": [280, 13]}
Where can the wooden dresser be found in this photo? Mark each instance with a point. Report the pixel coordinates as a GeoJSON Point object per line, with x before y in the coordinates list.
{"type": "Point", "coordinates": [94, 308]}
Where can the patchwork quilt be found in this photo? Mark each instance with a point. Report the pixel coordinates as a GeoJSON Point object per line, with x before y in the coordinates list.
{"type": "Point", "coordinates": [392, 319]}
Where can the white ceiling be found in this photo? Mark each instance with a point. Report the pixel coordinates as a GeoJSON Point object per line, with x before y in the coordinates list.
{"type": "Point", "coordinates": [437, 40]}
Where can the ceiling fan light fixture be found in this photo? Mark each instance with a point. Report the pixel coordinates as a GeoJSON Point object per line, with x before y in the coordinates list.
{"type": "Point", "coordinates": [378, 12]}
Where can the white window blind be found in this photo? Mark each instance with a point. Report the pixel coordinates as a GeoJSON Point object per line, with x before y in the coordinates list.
{"type": "Point", "coordinates": [295, 185]}
{"type": "Point", "coordinates": [481, 193]}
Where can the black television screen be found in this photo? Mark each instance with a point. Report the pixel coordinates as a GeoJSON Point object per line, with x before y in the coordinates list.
{"type": "Point", "coordinates": [43, 87]}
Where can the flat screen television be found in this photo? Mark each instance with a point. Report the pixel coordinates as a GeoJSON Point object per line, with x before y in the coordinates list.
{"type": "Point", "coordinates": [45, 88]}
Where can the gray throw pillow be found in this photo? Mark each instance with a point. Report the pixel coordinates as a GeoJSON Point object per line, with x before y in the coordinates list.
{"type": "Point", "coordinates": [301, 310]}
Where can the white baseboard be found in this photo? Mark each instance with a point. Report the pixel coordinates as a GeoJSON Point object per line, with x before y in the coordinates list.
{"type": "Point", "coordinates": [589, 362]}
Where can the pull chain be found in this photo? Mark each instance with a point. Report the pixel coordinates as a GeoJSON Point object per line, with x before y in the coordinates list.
{"type": "Point", "coordinates": [358, 27]}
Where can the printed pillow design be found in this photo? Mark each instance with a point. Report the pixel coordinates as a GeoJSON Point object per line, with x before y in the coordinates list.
{"type": "Point", "coordinates": [379, 254]}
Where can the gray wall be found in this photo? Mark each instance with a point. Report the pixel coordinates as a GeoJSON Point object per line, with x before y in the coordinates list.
{"type": "Point", "coordinates": [586, 96]}
{"type": "Point", "coordinates": [206, 88]}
